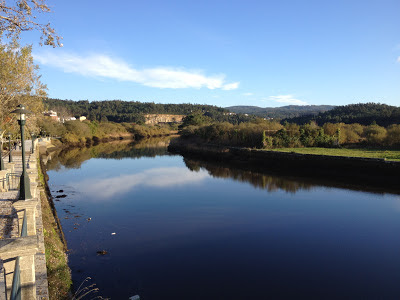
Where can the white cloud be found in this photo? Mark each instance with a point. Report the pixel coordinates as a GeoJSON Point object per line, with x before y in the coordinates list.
{"type": "Point", "coordinates": [288, 99]}
{"type": "Point", "coordinates": [247, 94]}
{"type": "Point", "coordinates": [398, 59]}
{"type": "Point", "coordinates": [160, 77]}
{"type": "Point", "coordinates": [230, 86]}
{"type": "Point", "coordinates": [157, 178]}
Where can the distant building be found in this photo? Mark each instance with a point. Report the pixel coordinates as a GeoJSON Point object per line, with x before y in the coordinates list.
{"type": "Point", "coordinates": [82, 118]}
{"type": "Point", "coordinates": [52, 114]}
{"type": "Point", "coordinates": [66, 119]}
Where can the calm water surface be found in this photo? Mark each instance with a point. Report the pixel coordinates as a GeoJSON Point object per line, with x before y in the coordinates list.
{"type": "Point", "coordinates": [181, 229]}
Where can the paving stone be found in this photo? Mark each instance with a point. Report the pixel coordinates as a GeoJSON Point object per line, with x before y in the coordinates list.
{"type": "Point", "coordinates": [9, 223]}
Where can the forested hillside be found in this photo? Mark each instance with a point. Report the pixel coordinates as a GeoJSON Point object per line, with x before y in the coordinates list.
{"type": "Point", "coordinates": [362, 113]}
{"type": "Point", "coordinates": [283, 112]}
{"type": "Point", "coordinates": [132, 111]}
{"type": "Point", "coordinates": [125, 111]}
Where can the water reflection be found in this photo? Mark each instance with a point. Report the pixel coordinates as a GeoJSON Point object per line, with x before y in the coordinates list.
{"type": "Point", "coordinates": [258, 180]}
{"type": "Point", "coordinates": [106, 188]}
{"type": "Point", "coordinates": [179, 228]}
{"type": "Point", "coordinates": [72, 158]}
{"type": "Point", "coordinates": [258, 177]}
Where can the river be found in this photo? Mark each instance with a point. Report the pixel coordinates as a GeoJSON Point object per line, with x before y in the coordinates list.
{"type": "Point", "coordinates": [169, 227]}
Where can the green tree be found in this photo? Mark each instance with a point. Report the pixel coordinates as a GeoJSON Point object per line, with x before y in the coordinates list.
{"type": "Point", "coordinates": [19, 83]}
{"type": "Point", "coordinates": [375, 134]}
{"type": "Point", "coordinates": [196, 119]}
{"type": "Point", "coordinates": [393, 134]}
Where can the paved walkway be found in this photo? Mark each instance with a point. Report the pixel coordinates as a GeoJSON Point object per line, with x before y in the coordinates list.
{"type": "Point", "coordinates": [31, 248]}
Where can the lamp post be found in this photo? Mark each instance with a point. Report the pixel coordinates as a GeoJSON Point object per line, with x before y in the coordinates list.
{"type": "Point", "coordinates": [25, 185]}
{"type": "Point", "coordinates": [2, 166]}
{"type": "Point", "coordinates": [9, 146]}
{"type": "Point", "coordinates": [33, 142]}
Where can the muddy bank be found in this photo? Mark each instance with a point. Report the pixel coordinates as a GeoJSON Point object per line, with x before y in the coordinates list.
{"type": "Point", "coordinates": [364, 172]}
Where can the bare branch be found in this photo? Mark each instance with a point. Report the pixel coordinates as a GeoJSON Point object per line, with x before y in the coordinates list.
{"type": "Point", "coordinates": [20, 17]}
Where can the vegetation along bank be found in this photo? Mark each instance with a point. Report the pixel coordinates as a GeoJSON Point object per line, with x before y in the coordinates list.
{"type": "Point", "coordinates": [58, 272]}
{"type": "Point", "coordinates": [372, 172]}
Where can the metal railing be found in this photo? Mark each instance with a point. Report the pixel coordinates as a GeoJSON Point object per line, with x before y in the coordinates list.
{"type": "Point", "coordinates": [24, 230]}
{"type": "Point", "coordinates": [3, 274]}
{"type": "Point", "coordinates": [12, 181]}
{"type": "Point", "coordinates": [16, 285]}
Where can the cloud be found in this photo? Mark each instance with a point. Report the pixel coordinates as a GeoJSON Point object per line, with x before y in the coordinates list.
{"type": "Point", "coordinates": [247, 94]}
{"type": "Point", "coordinates": [288, 99]}
{"type": "Point", "coordinates": [159, 77]}
{"type": "Point", "coordinates": [398, 59]}
{"type": "Point", "coordinates": [230, 86]}
{"type": "Point", "coordinates": [157, 178]}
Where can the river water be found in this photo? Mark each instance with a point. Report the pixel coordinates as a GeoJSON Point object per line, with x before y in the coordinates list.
{"type": "Point", "coordinates": [175, 228]}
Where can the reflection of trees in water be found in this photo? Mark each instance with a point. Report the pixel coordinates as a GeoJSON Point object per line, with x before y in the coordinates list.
{"type": "Point", "coordinates": [72, 158]}
{"type": "Point", "coordinates": [259, 180]}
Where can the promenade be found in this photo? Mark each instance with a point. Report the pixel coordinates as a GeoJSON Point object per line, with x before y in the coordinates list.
{"type": "Point", "coordinates": [22, 252]}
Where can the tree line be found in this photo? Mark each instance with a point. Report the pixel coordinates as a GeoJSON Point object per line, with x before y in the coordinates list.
{"type": "Point", "coordinates": [361, 113]}
{"type": "Point", "coordinates": [270, 134]}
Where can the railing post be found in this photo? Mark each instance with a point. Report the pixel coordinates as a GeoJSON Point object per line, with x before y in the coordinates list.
{"type": "Point", "coordinates": [16, 284]}
{"type": "Point", "coordinates": [3, 282]}
{"type": "Point", "coordinates": [24, 230]}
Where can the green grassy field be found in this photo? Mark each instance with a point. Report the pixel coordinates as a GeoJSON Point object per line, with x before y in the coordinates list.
{"type": "Point", "coordinates": [371, 153]}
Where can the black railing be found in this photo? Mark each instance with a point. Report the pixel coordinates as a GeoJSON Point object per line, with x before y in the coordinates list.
{"type": "Point", "coordinates": [12, 181]}
{"type": "Point", "coordinates": [24, 230]}
{"type": "Point", "coordinates": [3, 274]}
{"type": "Point", "coordinates": [16, 285]}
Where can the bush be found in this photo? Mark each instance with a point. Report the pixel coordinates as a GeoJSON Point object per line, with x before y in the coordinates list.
{"type": "Point", "coordinates": [393, 135]}
{"type": "Point", "coordinates": [375, 134]}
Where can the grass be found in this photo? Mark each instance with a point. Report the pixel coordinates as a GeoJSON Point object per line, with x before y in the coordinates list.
{"type": "Point", "coordinates": [58, 272]}
{"type": "Point", "coordinates": [361, 152]}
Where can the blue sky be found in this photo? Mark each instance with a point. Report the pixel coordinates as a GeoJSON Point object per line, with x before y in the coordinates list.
{"type": "Point", "coordinates": [262, 53]}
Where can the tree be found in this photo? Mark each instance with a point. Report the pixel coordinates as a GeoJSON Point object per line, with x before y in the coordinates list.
{"type": "Point", "coordinates": [19, 82]}
{"type": "Point", "coordinates": [21, 15]}
{"type": "Point", "coordinates": [375, 134]}
{"type": "Point", "coordinates": [393, 134]}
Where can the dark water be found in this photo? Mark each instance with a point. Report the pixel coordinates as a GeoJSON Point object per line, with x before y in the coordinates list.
{"type": "Point", "coordinates": [186, 229]}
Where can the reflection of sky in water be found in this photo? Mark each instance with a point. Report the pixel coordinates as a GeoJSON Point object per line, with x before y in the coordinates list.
{"type": "Point", "coordinates": [105, 188]}
{"type": "Point", "coordinates": [183, 234]}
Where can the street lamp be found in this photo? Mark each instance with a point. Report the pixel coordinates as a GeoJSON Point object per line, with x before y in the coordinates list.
{"type": "Point", "coordinates": [2, 166]}
{"type": "Point", "coordinates": [33, 142]}
{"type": "Point", "coordinates": [25, 185]}
{"type": "Point", "coordinates": [9, 147]}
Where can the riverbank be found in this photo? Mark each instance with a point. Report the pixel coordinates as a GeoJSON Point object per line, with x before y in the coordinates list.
{"type": "Point", "coordinates": [369, 172]}
{"type": "Point", "coordinates": [58, 272]}
{"type": "Point", "coordinates": [387, 154]}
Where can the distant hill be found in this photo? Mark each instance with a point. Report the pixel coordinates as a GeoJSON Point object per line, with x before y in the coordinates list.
{"type": "Point", "coordinates": [125, 111]}
{"type": "Point", "coordinates": [362, 113]}
{"type": "Point", "coordinates": [283, 112]}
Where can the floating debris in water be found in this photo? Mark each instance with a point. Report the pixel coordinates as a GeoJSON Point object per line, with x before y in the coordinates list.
{"type": "Point", "coordinates": [60, 191]}
{"type": "Point", "coordinates": [113, 233]}
{"type": "Point", "coordinates": [61, 196]}
{"type": "Point", "coordinates": [102, 252]}
{"type": "Point", "coordinates": [89, 219]}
